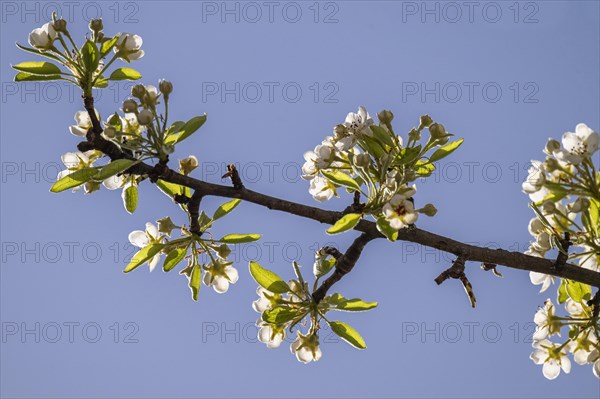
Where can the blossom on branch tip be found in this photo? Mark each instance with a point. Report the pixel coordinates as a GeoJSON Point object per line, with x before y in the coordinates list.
{"type": "Point", "coordinates": [546, 323]}
{"type": "Point", "coordinates": [321, 189]}
{"type": "Point", "coordinates": [84, 123]}
{"type": "Point", "coordinates": [142, 239]}
{"type": "Point", "coordinates": [306, 348]}
{"type": "Point", "coordinates": [43, 38]}
{"type": "Point", "coordinates": [583, 143]}
{"type": "Point", "coordinates": [540, 278]}
{"type": "Point", "coordinates": [360, 122]}
{"type": "Point", "coordinates": [270, 334]}
{"type": "Point", "coordinates": [128, 47]}
{"type": "Point", "coordinates": [400, 211]}
{"type": "Point", "coordinates": [219, 275]}
{"type": "Point", "coordinates": [552, 357]}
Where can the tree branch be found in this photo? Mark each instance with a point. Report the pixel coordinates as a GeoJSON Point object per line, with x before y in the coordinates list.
{"type": "Point", "coordinates": [515, 260]}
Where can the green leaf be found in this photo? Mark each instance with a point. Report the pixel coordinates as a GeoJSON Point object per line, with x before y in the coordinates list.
{"type": "Point", "coordinates": [424, 169]}
{"type": "Point", "coordinates": [38, 52]}
{"type": "Point", "coordinates": [38, 68]}
{"type": "Point", "coordinates": [384, 228]}
{"type": "Point", "coordinates": [341, 179]}
{"type": "Point", "coordinates": [170, 189]}
{"type": "Point", "coordinates": [348, 334]}
{"type": "Point", "coordinates": [108, 45]}
{"type": "Point", "coordinates": [75, 179]}
{"type": "Point", "coordinates": [130, 198]}
{"type": "Point", "coordinates": [90, 56]}
{"type": "Point", "coordinates": [115, 121]}
{"type": "Point", "coordinates": [279, 315]}
{"type": "Point", "coordinates": [186, 130]}
{"type": "Point", "coordinates": [143, 255]}
{"type": "Point", "coordinates": [562, 291]}
{"type": "Point", "coordinates": [174, 258]}
{"type": "Point", "coordinates": [345, 223]}
{"type": "Point", "coordinates": [382, 135]}
{"type": "Point", "coordinates": [445, 150]}
{"type": "Point", "coordinates": [101, 82]}
{"type": "Point", "coordinates": [578, 291]}
{"type": "Point", "coordinates": [195, 279]}
{"type": "Point", "coordinates": [28, 77]}
{"type": "Point", "coordinates": [225, 208]}
{"type": "Point", "coordinates": [113, 168]}
{"type": "Point", "coordinates": [355, 305]}
{"type": "Point", "coordinates": [125, 74]}
{"type": "Point", "coordinates": [239, 238]}
{"type": "Point", "coordinates": [267, 279]}
{"type": "Point", "coordinates": [323, 267]}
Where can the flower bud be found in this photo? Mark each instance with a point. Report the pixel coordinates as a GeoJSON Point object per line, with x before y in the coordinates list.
{"type": "Point", "coordinates": [428, 210]}
{"type": "Point", "coordinates": [96, 25]}
{"type": "Point", "coordinates": [340, 131]}
{"type": "Point", "coordinates": [581, 204]}
{"type": "Point", "coordinates": [551, 146]}
{"type": "Point", "coordinates": [130, 106]}
{"type": "Point", "coordinates": [550, 165]}
{"type": "Point", "coordinates": [145, 117]}
{"type": "Point", "coordinates": [165, 87]}
{"type": "Point", "coordinates": [385, 117]}
{"type": "Point", "coordinates": [138, 91]}
{"type": "Point", "coordinates": [443, 140]}
{"type": "Point", "coordinates": [437, 130]}
{"type": "Point", "coordinates": [187, 165]}
{"type": "Point", "coordinates": [60, 25]}
{"type": "Point", "coordinates": [548, 207]}
{"type": "Point", "coordinates": [165, 225]}
{"type": "Point", "coordinates": [414, 135]}
{"type": "Point", "coordinates": [110, 132]}
{"type": "Point", "coordinates": [167, 149]}
{"type": "Point", "coordinates": [363, 160]}
{"type": "Point", "coordinates": [426, 121]}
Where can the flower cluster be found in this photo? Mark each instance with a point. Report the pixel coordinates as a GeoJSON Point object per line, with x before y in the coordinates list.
{"type": "Point", "coordinates": [565, 194]}
{"type": "Point", "coordinates": [285, 305]}
{"type": "Point", "coordinates": [370, 160]}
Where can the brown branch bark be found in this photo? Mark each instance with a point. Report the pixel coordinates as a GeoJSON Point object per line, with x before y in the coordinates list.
{"type": "Point", "coordinates": [515, 260]}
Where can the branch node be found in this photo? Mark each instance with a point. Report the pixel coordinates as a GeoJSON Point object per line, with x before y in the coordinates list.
{"type": "Point", "coordinates": [233, 174]}
{"type": "Point", "coordinates": [333, 252]}
{"type": "Point", "coordinates": [193, 207]}
{"type": "Point", "coordinates": [181, 199]}
{"type": "Point", "coordinates": [563, 251]}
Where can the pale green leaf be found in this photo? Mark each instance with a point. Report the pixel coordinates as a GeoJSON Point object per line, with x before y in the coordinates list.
{"type": "Point", "coordinates": [348, 334]}
{"type": "Point", "coordinates": [345, 223]}
{"type": "Point", "coordinates": [174, 258]}
{"type": "Point", "coordinates": [28, 77]}
{"type": "Point", "coordinates": [341, 179]}
{"type": "Point", "coordinates": [113, 168]}
{"type": "Point", "coordinates": [445, 150]}
{"type": "Point", "coordinates": [125, 74]}
{"type": "Point", "coordinates": [130, 198]}
{"type": "Point", "coordinates": [225, 208]}
{"type": "Point", "coordinates": [195, 279]}
{"type": "Point", "coordinates": [75, 179]}
{"type": "Point", "coordinates": [143, 255]}
{"type": "Point", "coordinates": [239, 238]}
{"type": "Point", "coordinates": [38, 68]}
{"type": "Point", "coordinates": [186, 130]}
{"type": "Point", "coordinates": [267, 279]}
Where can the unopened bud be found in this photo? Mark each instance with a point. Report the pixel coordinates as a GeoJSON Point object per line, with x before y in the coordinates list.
{"type": "Point", "coordinates": [385, 117]}
{"type": "Point", "coordinates": [138, 91]}
{"type": "Point", "coordinates": [130, 105]}
{"type": "Point", "coordinates": [437, 130]}
{"type": "Point", "coordinates": [340, 131]}
{"type": "Point", "coordinates": [429, 210]}
{"type": "Point", "coordinates": [165, 87]}
{"type": "Point", "coordinates": [581, 204]}
{"type": "Point", "coordinates": [110, 132]}
{"type": "Point", "coordinates": [187, 165]}
{"type": "Point", "coordinates": [60, 25]}
{"type": "Point", "coordinates": [551, 164]}
{"type": "Point", "coordinates": [96, 25]}
{"type": "Point", "coordinates": [548, 207]}
{"type": "Point", "coordinates": [363, 160]}
{"type": "Point", "coordinates": [551, 146]}
{"type": "Point", "coordinates": [145, 117]}
{"type": "Point", "coordinates": [426, 121]}
{"type": "Point", "coordinates": [414, 135]}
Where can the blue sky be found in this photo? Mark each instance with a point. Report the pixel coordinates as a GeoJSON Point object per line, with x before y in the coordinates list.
{"type": "Point", "coordinates": [274, 79]}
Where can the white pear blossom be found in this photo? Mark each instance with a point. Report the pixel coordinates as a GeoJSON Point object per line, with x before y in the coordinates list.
{"type": "Point", "coordinates": [400, 211]}
{"type": "Point", "coordinates": [84, 123]}
{"type": "Point", "coordinates": [306, 348]}
{"type": "Point", "coordinates": [75, 161]}
{"type": "Point", "coordinates": [540, 278]}
{"type": "Point", "coordinates": [360, 122]}
{"type": "Point", "coordinates": [151, 95]}
{"type": "Point", "coordinates": [128, 46]}
{"type": "Point", "coordinates": [536, 227]}
{"type": "Point", "coordinates": [320, 158]}
{"type": "Point", "coordinates": [43, 38]}
{"type": "Point", "coordinates": [579, 145]}
{"type": "Point", "coordinates": [321, 189]}
{"type": "Point", "coordinates": [595, 358]}
{"type": "Point", "coordinates": [590, 261]}
{"type": "Point", "coordinates": [546, 324]}
{"type": "Point", "coordinates": [270, 334]}
{"type": "Point", "coordinates": [264, 301]}
{"type": "Point", "coordinates": [575, 308]}
{"type": "Point", "coordinates": [552, 358]}
{"type": "Point", "coordinates": [142, 239]}
{"type": "Point", "coordinates": [535, 179]}
{"type": "Point", "coordinates": [539, 195]}
{"type": "Point", "coordinates": [583, 347]}
{"type": "Point", "coordinates": [145, 117]}
{"type": "Point", "coordinates": [219, 275]}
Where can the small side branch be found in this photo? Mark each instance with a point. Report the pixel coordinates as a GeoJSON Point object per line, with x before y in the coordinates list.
{"type": "Point", "coordinates": [344, 265]}
{"type": "Point", "coordinates": [233, 174]}
{"type": "Point", "coordinates": [563, 251]}
{"type": "Point", "coordinates": [457, 271]}
{"type": "Point", "coordinates": [193, 207]}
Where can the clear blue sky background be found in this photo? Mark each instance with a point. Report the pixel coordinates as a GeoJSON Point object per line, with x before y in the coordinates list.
{"type": "Point", "coordinates": [543, 56]}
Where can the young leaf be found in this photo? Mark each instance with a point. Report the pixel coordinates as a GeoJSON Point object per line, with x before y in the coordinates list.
{"type": "Point", "coordinates": [267, 279]}
{"type": "Point", "coordinates": [562, 291]}
{"type": "Point", "coordinates": [445, 150]}
{"type": "Point", "coordinates": [90, 56]}
{"type": "Point", "coordinates": [239, 238]}
{"type": "Point", "coordinates": [108, 45]}
{"type": "Point", "coordinates": [225, 208]}
{"type": "Point", "coordinates": [348, 334]}
{"type": "Point", "coordinates": [384, 228]}
{"type": "Point", "coordinates": [170, 189]}
{"type": "Point", "coordinates": [125, 74]}
{"type": "Point", "coordinates": [143, 255]}
{"type": "Point", "coordinates": [323, 267]}
{"type": "Point", "coordinates": [345, 223]}
{"type": "Point", "coordinates": [355, 305]}
{"type": "Point", "coordinates": [101, 82]}
{"type": "Point", "coordinates": [38, 68]}
{"type": "Point", "coordinates": [113, 168]}
{"type": "Point", "coordinates": [341, 179]}
{"type": "Point", "coordinates": [186, 130]}
{"type": "Point", "coordinates": [75, 179]}
{"type": "Point", "coordinates": [38, 52]}
{"type": "Point", "coordinates": [130, 198]}
{"type": "Point", "coordinates": [382, 135]}
{"type": "Point", "coordinates": [28, 77]}
{"type": "Point", "coordinates": [195, 279]}
{"type": "Point", "coordinates": [578, 291]}
{"type": "Point", "coordinates": [279, 315]}
{"type": "Point", "coordinates": [174, 258]}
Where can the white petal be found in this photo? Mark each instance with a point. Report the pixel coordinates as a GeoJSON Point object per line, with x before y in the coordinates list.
{"type": "Point", "coordinates": [232, 274]}
{"type": "Point", "coordinates": [152, 230]}
{"type": "Point", "coordinates": [220, 284]}
{"type": "Point", "coordinates": [139, 238]}
{"type": "Point", "coordinates": [551, 369]}
{"type": "Point", "coordinates": [154, 261]}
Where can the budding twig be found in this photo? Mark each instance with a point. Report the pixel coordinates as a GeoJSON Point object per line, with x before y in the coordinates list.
{"type": "Point", "coordinates": [233, 174]}
{"type": "Point", "coordinates": [457, 271]}
{"type": "Point", "coordinates": [563, 252]}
